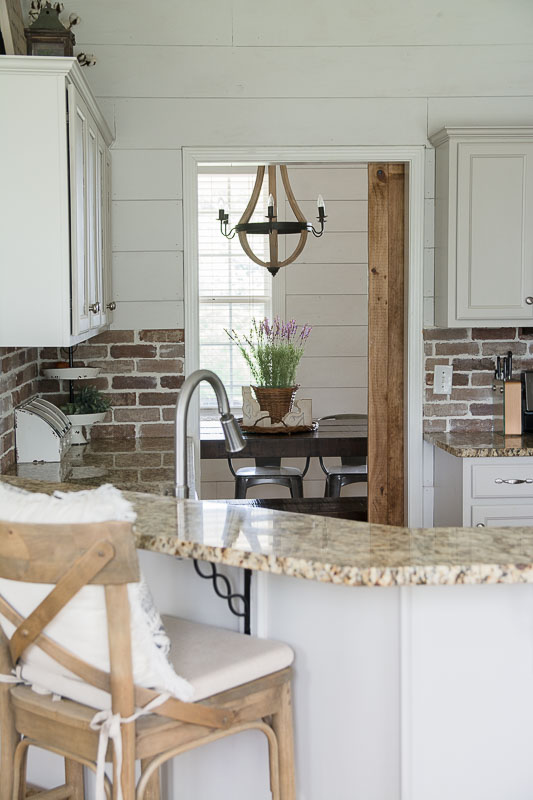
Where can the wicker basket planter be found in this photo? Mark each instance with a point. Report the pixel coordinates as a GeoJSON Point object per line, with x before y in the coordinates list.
{"type": "Point", "coordinates": [277, 401]}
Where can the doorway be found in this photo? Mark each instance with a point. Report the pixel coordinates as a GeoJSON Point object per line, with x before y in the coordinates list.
{"type": "Point", "coordinates": [392, 444]}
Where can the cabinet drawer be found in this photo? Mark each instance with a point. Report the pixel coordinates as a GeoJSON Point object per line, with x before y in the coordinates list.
{"type": "Point", "coordinates": [505, 516]}
{"type": "Point", "coordinates": [502, 480]}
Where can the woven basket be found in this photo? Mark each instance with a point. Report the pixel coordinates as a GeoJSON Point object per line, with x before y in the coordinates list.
{"type": "Point", "coordinates": [277, 401]}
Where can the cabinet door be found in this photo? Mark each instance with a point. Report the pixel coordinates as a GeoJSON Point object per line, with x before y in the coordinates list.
{"type": "Point", "coordinates": [504, 516]}
{"type": "Point", "coordinates": [104, 228]}
{"type": "Point", "coordinates": [94, 250]}
{"type": "Point", "coordinates": [494, 266]}
{"type": "Point", "coordinates": [100, 229]}
{"type": "Point", "coordinates": [78, 155]}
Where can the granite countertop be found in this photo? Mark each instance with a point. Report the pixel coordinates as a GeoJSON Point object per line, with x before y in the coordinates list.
{"type": "Point", "coordinates": [135, 465]}
{"type": "Point", "coordinates": [321, 548]}
{"type": "Point", "coordinates": [482, 445]}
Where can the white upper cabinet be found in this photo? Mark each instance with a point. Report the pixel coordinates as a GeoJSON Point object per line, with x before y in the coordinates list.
{"type": "Point", "coordinates": [55, 262]}
{"type": "Point", "coordinates": [484, 227]}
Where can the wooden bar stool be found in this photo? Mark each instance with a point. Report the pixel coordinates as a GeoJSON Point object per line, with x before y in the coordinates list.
{"type": "Point", "coordinates": [238, 682]}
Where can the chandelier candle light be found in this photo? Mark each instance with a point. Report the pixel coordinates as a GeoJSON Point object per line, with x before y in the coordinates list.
{"type": "Point", "coordinates": [272, 228]}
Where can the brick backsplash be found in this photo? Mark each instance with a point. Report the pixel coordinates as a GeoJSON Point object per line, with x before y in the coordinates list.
{"type": "Point", "coordinates": [18, 381]}
{"type": "Point", "coordinates": [472, 353]}
{"type": "Point", "coordinates": [140, 372]}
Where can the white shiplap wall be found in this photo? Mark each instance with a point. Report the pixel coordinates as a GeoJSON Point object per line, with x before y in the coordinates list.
{"type": "Point", "coordinates": [230, 72]}
{"type": "Point", "coordinates": [327, 287]}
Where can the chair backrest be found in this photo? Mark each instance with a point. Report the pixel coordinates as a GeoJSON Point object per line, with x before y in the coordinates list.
{"type": "Point", "coordinates": [264, 461]}
{"type": "Point", "coordinates": [346, 417]}
{"type": "Point", "coordinates": [268, 461]}
{"type": "Point", "coordinates": [351, 461]}
{"type": "Point", "coordinates": [43, 553]}
{"type": "Point", "coordinates": [71, 556]}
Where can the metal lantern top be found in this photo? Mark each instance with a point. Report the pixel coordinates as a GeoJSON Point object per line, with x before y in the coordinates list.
{"type": "Point", "coordinates": [272, 228]}
{"type": "Point", "coordinates": [47, 36]}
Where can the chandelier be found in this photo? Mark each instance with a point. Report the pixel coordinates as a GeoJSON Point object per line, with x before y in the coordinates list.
{"type": "Point", "coordinates": [272, 228]}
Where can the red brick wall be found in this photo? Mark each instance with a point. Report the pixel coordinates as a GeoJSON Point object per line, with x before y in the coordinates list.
{"type": "Point", "coordinates": [140, 372]}
{"type": "Point", "coordinates": [18, 373]}
{"type": "Point", "coordinates": [472, 353]}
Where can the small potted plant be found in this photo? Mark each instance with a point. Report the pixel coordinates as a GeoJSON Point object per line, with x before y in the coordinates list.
{"type": "Point", "coordinates": [88, 407]}
{"type": "Point", "coordinates": [273, 351]}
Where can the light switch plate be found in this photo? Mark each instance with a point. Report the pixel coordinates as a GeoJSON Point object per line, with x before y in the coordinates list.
{"type": "Point", "coordinates": [442, 381]}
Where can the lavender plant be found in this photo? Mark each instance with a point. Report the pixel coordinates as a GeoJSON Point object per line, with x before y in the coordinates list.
{"type": "Point", "coordinates": [272, 350]}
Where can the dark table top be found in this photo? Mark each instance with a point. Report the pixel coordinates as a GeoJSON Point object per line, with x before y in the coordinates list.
{"type": "Point", "coordinates": [340, 507]}
{"type": "Point", "coordinates": [332, 438]}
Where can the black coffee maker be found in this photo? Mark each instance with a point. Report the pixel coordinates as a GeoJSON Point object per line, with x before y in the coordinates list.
{"type": "Point", "coordinates": [527, 402]}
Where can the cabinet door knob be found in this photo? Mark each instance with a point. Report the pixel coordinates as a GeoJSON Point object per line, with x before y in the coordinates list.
{"type": "Point", "coordinates": [111, 306]}
{"type": "Point", "coordinates": [513, 481]}
{"type": "Point", "coordinates": [95, 307]}
{"type": "Point", "coordinates": [480, 525]}
{"type": "Point", "coordinates": [529, 301]}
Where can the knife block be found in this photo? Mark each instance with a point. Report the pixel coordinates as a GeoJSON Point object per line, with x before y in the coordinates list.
{"type": "Point", "coordinates": [508, 407]}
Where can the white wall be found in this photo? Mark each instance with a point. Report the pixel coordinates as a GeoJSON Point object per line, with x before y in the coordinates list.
{"type": "Point", "coordinates": [327, 287]}
{"type": "Point", "coordinates": [231, 72]}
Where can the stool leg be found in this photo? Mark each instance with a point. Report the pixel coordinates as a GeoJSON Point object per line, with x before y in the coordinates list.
{"type": "Point", "coordinates": [74, 778]}
{"type": "Point", "coordinates": [296, 487]}
{"type": "Point", "coordinates": [240, 488]}
{"type": "Point", "coordinates": [333, 486]}
{"type": "Point", "coordinates": [152, 791]}
{"type": "Point", "coordinates": [282, 726]}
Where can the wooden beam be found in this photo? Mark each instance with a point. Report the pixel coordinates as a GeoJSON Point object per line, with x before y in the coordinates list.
{"type": "Point", "coordinates": [386, 245]}
{"type": "Point", "coordinates": [396, 357]}
{"type": "Point", "coordinates": [378, 341]}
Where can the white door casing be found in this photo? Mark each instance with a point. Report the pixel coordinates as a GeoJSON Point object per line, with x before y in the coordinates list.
{"type": "Point", "coordinates": [413, 156]}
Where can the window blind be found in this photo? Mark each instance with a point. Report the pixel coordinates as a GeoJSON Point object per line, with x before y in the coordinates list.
{"type": "Point", "coordinates": [232, 289]}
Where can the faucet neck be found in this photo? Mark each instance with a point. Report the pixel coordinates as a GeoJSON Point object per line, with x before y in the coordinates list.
{"type": "Point", "coordinates": [180, 419]}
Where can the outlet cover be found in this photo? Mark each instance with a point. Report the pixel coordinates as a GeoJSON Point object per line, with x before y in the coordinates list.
{"type": "Point", "coordinates": [442, 382]}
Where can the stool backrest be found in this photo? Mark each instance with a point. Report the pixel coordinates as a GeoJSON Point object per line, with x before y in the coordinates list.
{"type": "Point", "coordinates": [43, 553]}
{"type": "Point", "coordinates": [71, 556]}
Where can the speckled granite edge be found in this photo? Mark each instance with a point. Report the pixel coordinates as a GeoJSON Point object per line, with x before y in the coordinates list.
{"type": "Point", "coordinates": [327, 550]}
{"type": "Point", "coordinates": [482, 445]}
{"type": "Point", "coordinates": [435, 575]}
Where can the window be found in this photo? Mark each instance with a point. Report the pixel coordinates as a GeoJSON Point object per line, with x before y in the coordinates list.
{"type": "Point", "coordinates": [232, 289]}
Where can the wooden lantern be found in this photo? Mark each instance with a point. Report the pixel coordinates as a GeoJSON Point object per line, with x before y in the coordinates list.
{"type": "Point", "coordinates": [47, 36]}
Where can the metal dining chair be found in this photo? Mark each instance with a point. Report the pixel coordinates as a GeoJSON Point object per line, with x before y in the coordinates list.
{"type": "Point", "coordinates": [268, 470]}
{"type": "Point", "coordinates": [352, 469]}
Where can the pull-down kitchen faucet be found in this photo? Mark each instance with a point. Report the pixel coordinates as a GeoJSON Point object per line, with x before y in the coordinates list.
{"type": "Point", "coordinates": [230, 427]}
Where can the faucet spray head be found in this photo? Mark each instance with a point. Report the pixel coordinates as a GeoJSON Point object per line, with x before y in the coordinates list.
{"type": "Point", "coordinates": [232, 433]}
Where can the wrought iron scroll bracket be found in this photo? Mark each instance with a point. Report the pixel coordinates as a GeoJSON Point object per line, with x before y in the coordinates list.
{"type": "Point", "coordinates": [238, 603]}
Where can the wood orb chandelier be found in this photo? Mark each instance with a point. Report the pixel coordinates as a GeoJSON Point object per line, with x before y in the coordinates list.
{"type": "Point", "coordinates": [272, 228]}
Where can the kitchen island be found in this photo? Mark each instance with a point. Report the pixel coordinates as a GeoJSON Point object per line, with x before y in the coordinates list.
{"type": "Point", "coordinates": [414, 648]}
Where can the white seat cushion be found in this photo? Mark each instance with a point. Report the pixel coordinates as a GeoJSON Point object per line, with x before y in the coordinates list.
{"type": "Point", "coordinates": [213, 659]}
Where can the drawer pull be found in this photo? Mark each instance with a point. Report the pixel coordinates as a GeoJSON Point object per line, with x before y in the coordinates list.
{"type": "Point", "coordinates": [513, 481]}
